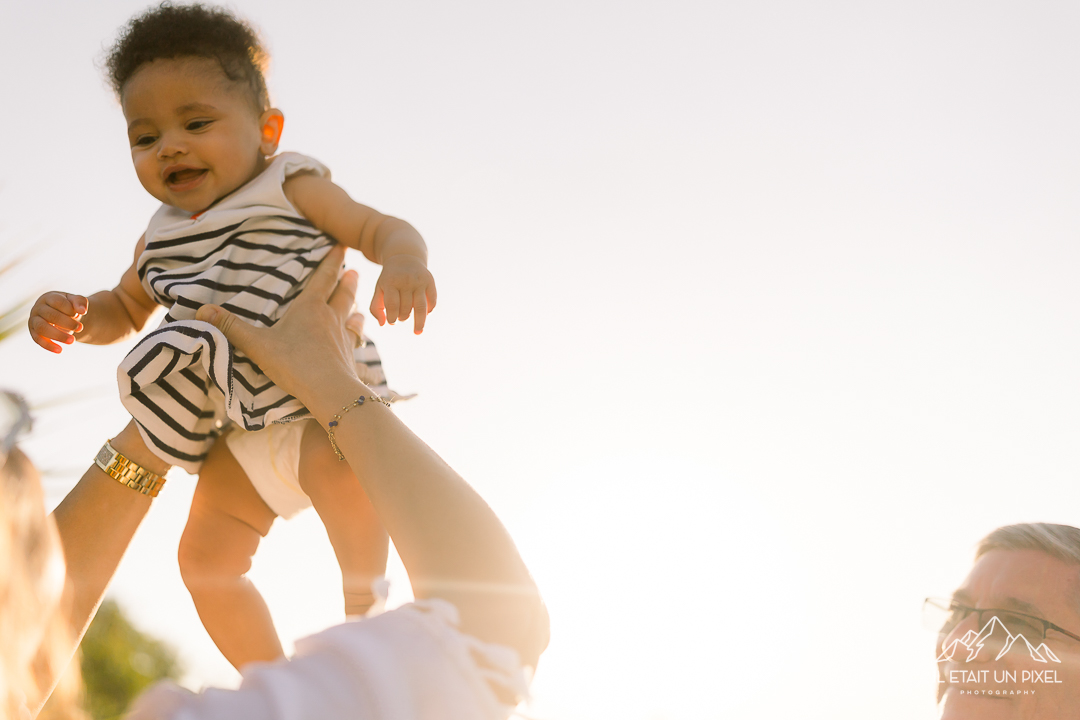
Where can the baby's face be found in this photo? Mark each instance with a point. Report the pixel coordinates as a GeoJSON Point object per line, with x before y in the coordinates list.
{"type": "Point", "coordinates": [195, 135]}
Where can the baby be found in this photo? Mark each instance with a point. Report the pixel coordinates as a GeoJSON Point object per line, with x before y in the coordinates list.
{"type": "Point", "coordinates": [242, 228]}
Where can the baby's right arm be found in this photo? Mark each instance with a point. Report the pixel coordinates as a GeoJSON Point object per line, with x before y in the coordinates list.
{"type": "Point", "coordinates": [105, 317]}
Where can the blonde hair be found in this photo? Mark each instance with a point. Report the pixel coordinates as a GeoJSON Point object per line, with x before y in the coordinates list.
{"type": "Point", "coordinates": [1058, 541]}
{"type": "Point", "coordinates": [34, 634]}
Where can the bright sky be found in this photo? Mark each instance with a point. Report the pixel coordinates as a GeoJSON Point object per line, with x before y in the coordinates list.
{"type": "Point", "coordinates": [753, 316]}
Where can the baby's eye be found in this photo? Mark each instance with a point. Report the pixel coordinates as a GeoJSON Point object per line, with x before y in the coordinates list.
{"type": "Point", "coordinates": [144, 141]}
{"type": "Point", "coordinates": [198, 124]}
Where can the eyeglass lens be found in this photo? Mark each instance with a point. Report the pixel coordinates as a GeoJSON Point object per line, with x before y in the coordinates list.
{"type": "Point", "coordinates": [1010, 624]}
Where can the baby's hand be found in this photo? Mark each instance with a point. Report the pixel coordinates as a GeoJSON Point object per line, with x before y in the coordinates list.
{"type": "Point", "coordinates": [405, 285]}
{"type": "Point", "coordinates": [55, 316]}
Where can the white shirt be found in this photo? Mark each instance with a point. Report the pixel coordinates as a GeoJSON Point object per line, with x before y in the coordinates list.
{"type": "Point", "coordinates": [407, 664]}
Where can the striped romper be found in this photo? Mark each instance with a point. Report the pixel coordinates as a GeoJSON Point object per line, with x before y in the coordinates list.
{"type": "Point", "coordinates": [250, 253]}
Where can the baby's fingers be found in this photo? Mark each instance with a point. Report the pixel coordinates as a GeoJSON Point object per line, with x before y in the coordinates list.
{"type": "Point", "coordinates": [67, 303]}
{"type": "Point", "coordinates": [60, 320]}
{"type": "Point", "coordinates": [421, 308]}
{"type": "Point", "coordinates": [55, 318]}
{"type": "Point", "coordinates": [431, 295]}
{"type": "Point", "coordinates": [405, 305]}
{"type": "Point", "coordinates": [43, 333]}
{"type": "Point", "coordinates": [378, 309]}
{"type": "Point", "coordinates": [392, 301]}
{"type": "Point", "coordinates": [82, 304]}
{"type": "Point", "coordinates": [423, 303]}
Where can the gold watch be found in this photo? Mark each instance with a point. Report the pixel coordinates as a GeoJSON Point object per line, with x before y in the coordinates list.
{"type": "Point", "coordinates": [126, 472]}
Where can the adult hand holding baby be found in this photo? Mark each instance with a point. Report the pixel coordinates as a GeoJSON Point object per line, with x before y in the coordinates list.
{"type": "Point", "coordinates": [451, 543]}
{"type": "Point", "coordinates": [314, 332]}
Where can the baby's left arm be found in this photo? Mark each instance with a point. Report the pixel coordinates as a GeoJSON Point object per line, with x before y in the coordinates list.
{"type": "Point", "coordinates": [405, 284]}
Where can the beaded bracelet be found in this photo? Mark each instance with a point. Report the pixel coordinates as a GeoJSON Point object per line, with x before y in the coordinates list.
{"type": "Point", "coordinates": [332, 425]}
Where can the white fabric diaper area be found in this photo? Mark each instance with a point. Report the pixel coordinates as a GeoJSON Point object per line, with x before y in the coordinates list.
{"type": "Point", "coordinates": [271, 459]}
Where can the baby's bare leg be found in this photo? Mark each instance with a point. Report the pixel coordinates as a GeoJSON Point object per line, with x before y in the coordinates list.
{"type": "Point", "coordinates": [223, 530]}
{"type": "Point", "coordinates": [359, 540]}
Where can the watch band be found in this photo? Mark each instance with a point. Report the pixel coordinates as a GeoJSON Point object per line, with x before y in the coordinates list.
{"type": "Point", "coordinates": [126, 472]}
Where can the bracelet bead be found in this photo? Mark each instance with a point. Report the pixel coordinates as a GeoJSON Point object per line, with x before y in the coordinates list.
{"type": "Point", "coordinates": [332, 425]}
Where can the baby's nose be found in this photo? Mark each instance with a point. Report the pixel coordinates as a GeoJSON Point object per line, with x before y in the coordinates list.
{"type": "Point", "coordinates": [170, 145]}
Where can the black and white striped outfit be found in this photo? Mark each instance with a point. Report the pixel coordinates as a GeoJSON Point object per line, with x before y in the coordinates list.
{"type": "Point", "coordinates": [251, 253]}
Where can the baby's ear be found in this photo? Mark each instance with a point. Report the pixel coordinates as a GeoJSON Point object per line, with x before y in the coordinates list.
{"type": "Point", "coordinates": [272, 123]}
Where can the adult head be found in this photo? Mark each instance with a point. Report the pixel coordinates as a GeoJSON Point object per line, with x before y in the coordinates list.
{"type": "Point", "coordinates": [1009, 645]}
{"type": "Point", "coordinates": [36, 639]}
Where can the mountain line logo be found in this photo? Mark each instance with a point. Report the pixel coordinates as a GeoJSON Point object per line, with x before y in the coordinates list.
{"type": "Point", "coordinates": [973, 642]}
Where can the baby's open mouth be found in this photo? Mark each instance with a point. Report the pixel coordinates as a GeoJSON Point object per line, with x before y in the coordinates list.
{"type": "Point", "coordinates": [180, 177]}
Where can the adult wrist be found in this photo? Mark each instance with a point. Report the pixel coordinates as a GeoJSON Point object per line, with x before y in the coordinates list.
{"type": "Point", "coordinates": [131, 444]}
{"type": "Point", "coordinates": [130, 474]}
{"type": "Point", "coordinates": [327, 397]}
{"type": "Point", "coordinates": [335, 421]}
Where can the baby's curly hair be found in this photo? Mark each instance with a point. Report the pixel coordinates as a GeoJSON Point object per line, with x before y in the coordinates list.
{"type": "Point", "coordinates": [174, 31]}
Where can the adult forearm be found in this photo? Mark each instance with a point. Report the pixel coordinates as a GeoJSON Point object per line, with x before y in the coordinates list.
{"type": "Point", "coordinates": [96, 521]}
{"type": "Point", "coordinates": [450, 540]}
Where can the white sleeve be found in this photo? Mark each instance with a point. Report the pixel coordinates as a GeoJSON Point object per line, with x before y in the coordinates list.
{"type": "Point", "coordinates": [166, 701]}
{"type": "Point", "coordinates": [411, 663]}
{"type": "Point", "coordinates": [291, 163]}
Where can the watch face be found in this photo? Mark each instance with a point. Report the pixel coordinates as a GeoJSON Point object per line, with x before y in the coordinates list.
{"type": "Point", "coordinates": [104, 456]}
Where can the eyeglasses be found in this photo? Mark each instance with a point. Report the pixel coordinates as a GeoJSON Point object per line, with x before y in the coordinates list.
{"type": "Point", "coordinates": [15, 421]}
{"type": "Point", "coordinates": [944, 615]}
